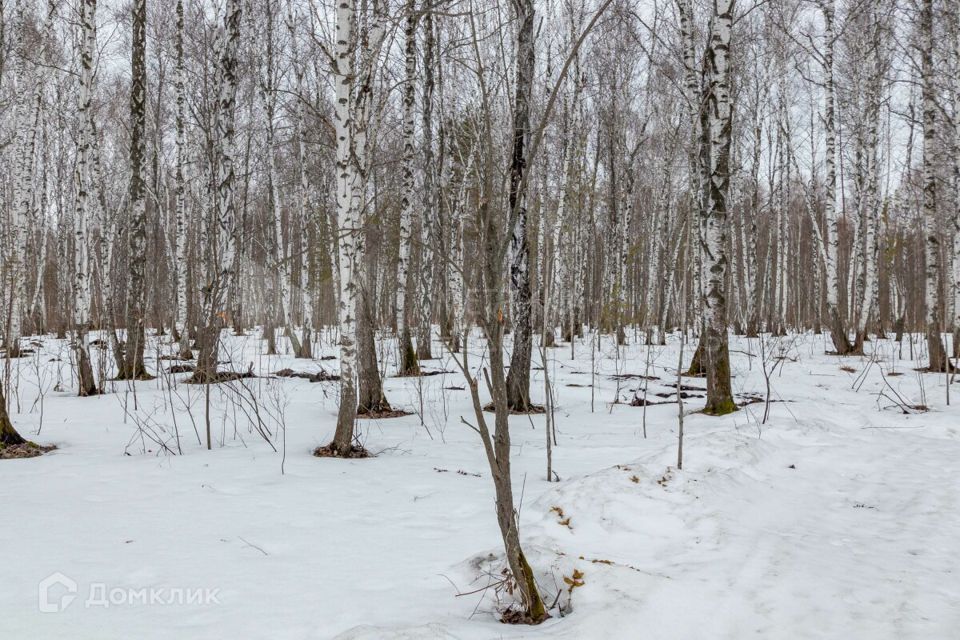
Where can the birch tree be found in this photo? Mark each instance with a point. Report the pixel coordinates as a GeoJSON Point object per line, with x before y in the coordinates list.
{"type": "Point", "coordinates": [838, 332]}
{"type": "Point", "coordinates": [304, 216]}
{"type": "Point", "coordinates": [936, 353]}
{"type": "Point", "coordinates": [429, 221]}
{"type": "Point", "coordinates": [518, 380]}
{"type": "Point", "coordinates": [133, 367]}
{"type": "Point", "coordinates": [180, 190]}
{"type": "Point", "coordinates": [82, 185]}
{"type": "Point", "coordinates": [30, 84]}
{"type": "Point", "coordinates": [955, 86]}
{"type": "Point", "coordinates": [222, 234]}
{"type": "Point", "coordinates": [408, 357]}
{"type": "Point", "coordinates": [353, 66]}
{"type": "Point", "coordinates": [696, 113]}
{"type": "Point", "coordinates": [716, 224]}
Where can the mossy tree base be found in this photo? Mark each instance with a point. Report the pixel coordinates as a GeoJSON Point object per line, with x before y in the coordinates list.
{"type": "Point", "coordinates": [140, 375]}
{"type": "Point", "coordinates": [333, 451]}
{"type": "Point", "coordinates": [536, 611]}
{"type": "Point", "coordinates": [717, 359]}
{"type": "Point", "coordinates": [9, 436]}
{"type": "Point", "coordinates": [721, 408]}
{"type": "Point", "coordinates": [25, 449]}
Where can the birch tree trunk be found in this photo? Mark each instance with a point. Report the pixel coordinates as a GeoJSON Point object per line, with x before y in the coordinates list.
{"type": "Point", "coordinates": [717, 356]}
{"type": "Point", "coordinates": [932, 299]}
{"type": "Point", "coordinates": [408, 357]}
{"type": "Point", "coordinates": [518, 379]}
{"type": "Point", "coordinates": [371, 399]}
{"type": "Point", "coordinates": [303, 189]}
{"type": "Point", "coordinates": [428, 205]}
{"type": "Point", "coordinates": [218, 290]}
{"type": "Point", "coordinates": [28, 127]}
{"type": "Point", "coordinates": [750, 244]}
{"type": "Point", "coordinates": [348, 223]}
{"type": "Point", "coordinates": [353, 83]}
{"type": "Point", "coordinates": [697, 169]}
{"type": "Point", "coordinates": [458, 223]}
{"type": "Point", "coordinates": [838, 331]}
{"type": "Point", "coordinates": [180, 316]}
{"type": "Point", "coordinates": [133, 368]}
{"type": "Point", "coordinates": [48, 213]}
{"type": "Point", "coordinates": [869, 295]}
{"type": "Point", "coordinates": [956, 181]}
{"type": "Point", "coordinates": [81, 283]}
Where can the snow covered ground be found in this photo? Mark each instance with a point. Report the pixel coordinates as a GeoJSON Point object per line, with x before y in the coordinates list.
{"type": "Point", "coordinates": [838, 518]}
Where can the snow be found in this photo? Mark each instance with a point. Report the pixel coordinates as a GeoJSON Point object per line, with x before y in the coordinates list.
{"type": "Point", "coordinates": [838, 518]}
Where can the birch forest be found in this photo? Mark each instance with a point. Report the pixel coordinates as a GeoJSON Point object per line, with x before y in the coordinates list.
{"type": "Point", "coordinates": [373, 319]}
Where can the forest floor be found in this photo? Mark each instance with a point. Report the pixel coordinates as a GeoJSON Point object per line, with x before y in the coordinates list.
{"type": "Point", "coordinates": [839, 517]}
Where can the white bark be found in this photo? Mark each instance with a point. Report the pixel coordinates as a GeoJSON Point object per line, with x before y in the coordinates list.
{"type": "Point", "coordinates": [458, 223]}
{"type": "Point", "coordinates": [180, 259]}
{"type": "Point", "coordinates": [409, 202]}
{"type": "Point", "coordinates": [81, 171]}
{"type": "Point", "coordinates": [28, 130]}
{"type": "Point", "coordinates": [354, 67]}
{"type": "Point", "coordinates": [716, 223]}
{"type": "Point", "coordinates": [932, 296]}
{"type": "Point", "coordinates": [303, 184]}
{"type": "Point", "coordinates": [831, 235]}
{"type": "Point", "coordinates": [956, 174]}
{"type": "Point", "coordinates": [225, 232]}
{"type": "Point", "coordinates": [690, 94]}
